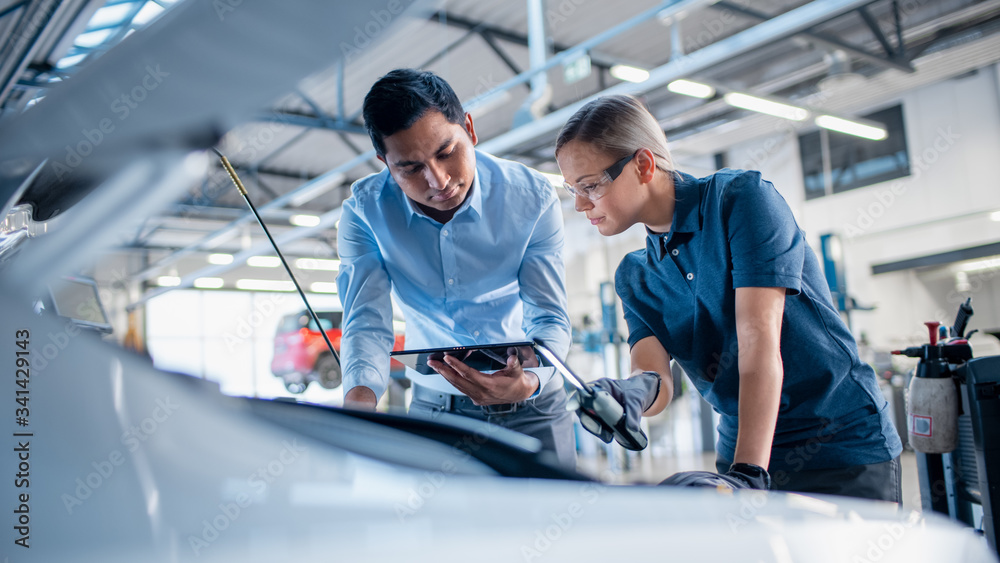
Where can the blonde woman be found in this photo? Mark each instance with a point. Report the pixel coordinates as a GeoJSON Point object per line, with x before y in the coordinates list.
{"type": "Point", "coordinates": [728, 287]}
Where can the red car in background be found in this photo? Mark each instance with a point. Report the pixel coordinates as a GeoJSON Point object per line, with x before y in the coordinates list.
{"type": "Point", "coordinates": [301, 355]}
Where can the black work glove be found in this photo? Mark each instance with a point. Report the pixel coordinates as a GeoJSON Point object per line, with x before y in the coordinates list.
{"type": "Point", "coordinates": [634, 394]}
{"type": "Point", "coordinates": [755, 476]}
{"type": "Point", "coordinates": [739, 476]}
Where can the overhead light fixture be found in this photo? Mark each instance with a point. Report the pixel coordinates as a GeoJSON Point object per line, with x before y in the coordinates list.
{"type": "Point", "coordinates": [995, 216]}
{"type": "Point", "coordinates": [265, 285]}
{"type": "Point", "coordinates": [92, 39]}
{"type": "Point", "coordinates": [690, 88]}
{"type": "Point", "coordinates": [629, 73]}
{"type": "Point", "coordinates": [323, 287]}
{"type": "Point", "coordinates": [148, 13]}
{"type": "Point", "coordinates": [220, 259]}
{"type": "Point", "coordinates": [264, 261]}
{"type": "Point", "coordinates": [209, 283]}
{"type": "Point", "coordinates": [317, 264]}
{"type": "Point", "coordinates": [168, 281]}
{"type": "Point", "coordinates": [851, 127]}
{"type": "Point", "coordinates": [304, 220]}
{"type": "Point", "coordinates": [980, 265]}
{"type": "Point", "coordinates": [554, 179]}
{"type": "Point", "coordinates": [71, 60]}
{"type": "Point", "coordinates": [760, 105]}
{"type": "Point", "coordinates": [111, 15]}
{"type": "Point", "coordinates": [840, 74]}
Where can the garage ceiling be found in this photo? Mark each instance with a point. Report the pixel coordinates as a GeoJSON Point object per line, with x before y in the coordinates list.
{"type": "Point", "coordinates": [299, 156]}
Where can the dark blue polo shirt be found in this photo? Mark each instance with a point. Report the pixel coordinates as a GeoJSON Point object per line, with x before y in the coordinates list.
{"type": "Point", "coordinates": [732, 229]}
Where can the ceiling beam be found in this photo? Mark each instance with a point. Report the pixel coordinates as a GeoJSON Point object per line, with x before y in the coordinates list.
{"type": "Point", "coordinates": [776, 29]}
{"type": "Point", "coordinates": [823, 39]}
{"type": "Point", "coordinates": [311, 121]}
{"type": "Point", "coordinates": [485, 29]}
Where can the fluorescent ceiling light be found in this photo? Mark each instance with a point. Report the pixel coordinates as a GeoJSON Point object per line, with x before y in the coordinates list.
{"type": "Point", "coordinates": [147, 14]}
{"type": "Point", "coordinates": [220, 259]}
{"type": "Point", "coordinates": [689, 88]}
{"type": "Point", "coordinates": [168, 281]}
{"type": "Point", "coordinates": [629, 73]}
{"type": "Point", "coordinates": [760, 105]}
{"type": "Point", "coordinates": [264, 261]}
{"type": "Point", "coordinates": [323, 287]}
{"type": "Point", "coordinates": [981, 265]}
{"type": "Point", "coordinates": [208, 283]}
{"type": "Point", "coordinates": [304, 220]}
{"type": "Point", "coordinates": [554, 179]}
{"type": "Point", "coordinates": [110, 15]}
{"type": "Point", "coordinates": [851, 127]}
{"type": "Point", "coordinates": [265, 285]}
{"type": "Point", "coordinates": [317, 264]}
{"type": "Point", "coordinates": [93, 38]}
{"type": "Point", "coordinates": [71, 60]}
{"type": "Point", "coordinates": [995, 216]}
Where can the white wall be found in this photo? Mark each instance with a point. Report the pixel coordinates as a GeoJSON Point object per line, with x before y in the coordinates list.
{"type": "Point", "coordinates": [953, 136]}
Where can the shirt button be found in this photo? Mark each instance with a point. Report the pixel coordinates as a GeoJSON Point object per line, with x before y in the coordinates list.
{"type": "Point", "coordinates": [690, 277]}
{"type": "Point", "coordinates": [476, 333]}
{"type": "Point", "coordinates": [675, 252]}
{"type": "Point", "coordinates": [445, 232]}
{"type": "Point", "coordinates": [451, 281]}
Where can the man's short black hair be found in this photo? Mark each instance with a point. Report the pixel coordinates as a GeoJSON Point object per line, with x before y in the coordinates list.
{"type": "Point", "coordinates": [398, 99]}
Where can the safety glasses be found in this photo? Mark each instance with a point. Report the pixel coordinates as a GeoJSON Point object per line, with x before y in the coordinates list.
{"type": "Point", "coordinates": [596, 190]}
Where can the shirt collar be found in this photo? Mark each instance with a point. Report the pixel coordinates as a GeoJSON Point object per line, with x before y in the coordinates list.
{"type": "Point", "coordinates": [687, 212]}
{"type": "Point", "coordinates": [473, 204]}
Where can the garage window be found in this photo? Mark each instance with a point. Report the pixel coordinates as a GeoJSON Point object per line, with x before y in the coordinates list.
{"type": "Point", "coordinates": [834, 162]}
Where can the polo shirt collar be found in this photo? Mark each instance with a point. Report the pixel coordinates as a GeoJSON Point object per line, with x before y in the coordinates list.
{"type": "Point", "coordinates": [687, 212]}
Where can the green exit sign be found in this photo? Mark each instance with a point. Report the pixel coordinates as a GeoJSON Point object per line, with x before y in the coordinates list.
{"type": "Point", "coordinates": [576, 69]}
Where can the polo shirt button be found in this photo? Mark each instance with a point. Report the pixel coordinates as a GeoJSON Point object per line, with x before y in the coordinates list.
{"type": "Point", "coordinates": [445, 232]}
{"type": "Point", "coordinates": [690, 277]}
{"type": "Point", "coordinates": [451, 281]}
{"type": "Point", "coordinates": [476, 333]}
{"type": "Point", "coordinates": [675, 252]}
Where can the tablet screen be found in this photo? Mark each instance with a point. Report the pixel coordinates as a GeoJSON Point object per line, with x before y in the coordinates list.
{"type": "Point", "coordinates": [487, 357]}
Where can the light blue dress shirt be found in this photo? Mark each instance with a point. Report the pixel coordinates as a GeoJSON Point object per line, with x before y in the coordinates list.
{"type": "Point", "coordinates": [494, 273]}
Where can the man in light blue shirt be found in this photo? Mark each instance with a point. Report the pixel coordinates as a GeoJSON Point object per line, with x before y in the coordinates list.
{"type": "Point", "coordinates": [471, 246]}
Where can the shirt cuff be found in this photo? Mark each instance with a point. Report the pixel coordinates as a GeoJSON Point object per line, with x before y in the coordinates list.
{"type": "Point", "coordinates": [544, 375]}
{"type": "Point", "coordinates": [366, 377]}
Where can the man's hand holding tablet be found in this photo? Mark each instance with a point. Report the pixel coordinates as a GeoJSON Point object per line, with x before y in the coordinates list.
{"type": "Point", "coordinates": [506, 381]}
